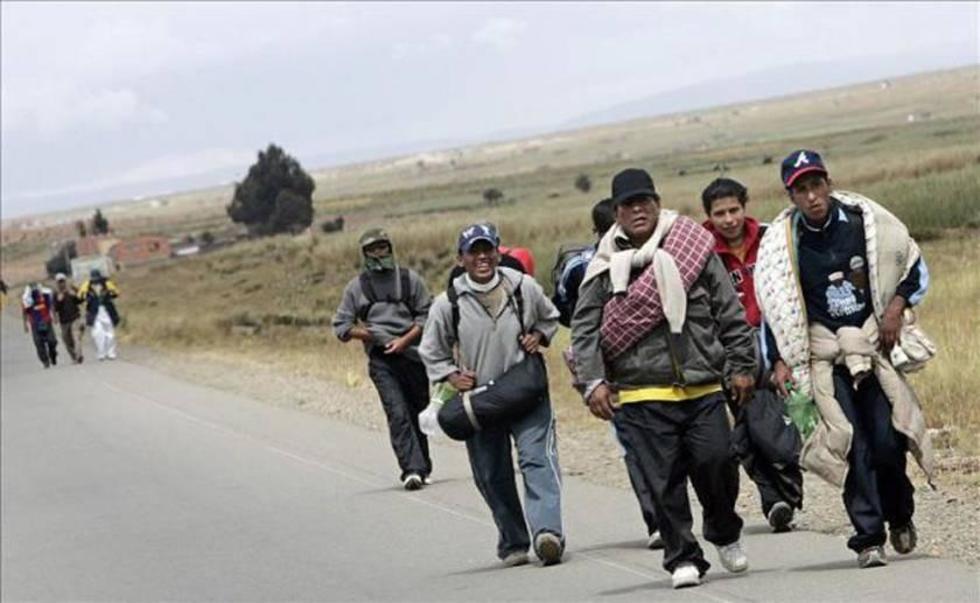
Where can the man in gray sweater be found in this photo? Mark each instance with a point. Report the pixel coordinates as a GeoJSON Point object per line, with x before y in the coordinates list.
{"type": "Point", "coordinates": [385, 307]}
{"type": "Point", "coordinates": [657, 330]}
{"type": "Point", "coordinates": [500, 316]}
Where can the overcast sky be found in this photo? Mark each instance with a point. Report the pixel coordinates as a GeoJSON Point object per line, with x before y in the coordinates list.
{"type": "Point", "coordinates": [102, 98]}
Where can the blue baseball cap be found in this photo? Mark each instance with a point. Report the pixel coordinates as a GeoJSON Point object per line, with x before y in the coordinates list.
{"type": "Point", "coordinates": [477, 232]}
{"type": "Point", "coordinates": [801, 162]}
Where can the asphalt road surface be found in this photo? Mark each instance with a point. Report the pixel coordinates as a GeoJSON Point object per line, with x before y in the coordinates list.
{"type": "Point", "coordinates": [121, 483]}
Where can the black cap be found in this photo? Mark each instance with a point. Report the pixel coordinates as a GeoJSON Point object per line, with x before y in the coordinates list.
{"type": "Point", "coordinates": [632, 182]}
{"type": "Point", "coordinates": [801, 162]}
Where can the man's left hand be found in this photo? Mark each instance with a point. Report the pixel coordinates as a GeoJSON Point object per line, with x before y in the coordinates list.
{"type": "Point", "coordinates": [891, 324]}
{"type": "Point", "coordinates": [742, 388]}
{"type": "Point", "coordinates": [397, 345]}
{"type": "Point", "coordinates": [531, 342]}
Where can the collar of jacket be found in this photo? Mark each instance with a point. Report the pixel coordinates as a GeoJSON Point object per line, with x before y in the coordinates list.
{"type": "Point", "coordinates": [752, 236]}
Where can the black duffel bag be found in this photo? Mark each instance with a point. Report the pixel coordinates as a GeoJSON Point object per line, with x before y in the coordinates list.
{"type": "Point", "coordinates": [506, 398]}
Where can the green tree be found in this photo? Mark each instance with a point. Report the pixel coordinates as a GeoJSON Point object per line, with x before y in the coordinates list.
{"type": "Point", "coordinates": [492, 196]}
{"type": "Point", "coordinates": [583, 183]}
{"type": "Point", "coordinates": [256, 202]}
{"type": "Point", "coordinates": [100, 225]}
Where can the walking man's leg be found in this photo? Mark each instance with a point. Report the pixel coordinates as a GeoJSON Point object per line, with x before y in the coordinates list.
{"type": "Point", "coordinates": [653, 431]}
{"type": "Point", "coordinates": [40, 346]}
{"type": "Point", "coordinates": [416, 385]}
{"type": "Point", "coordinates": [384, 373]}
{"type": "Point", "coordinates": [714, 474]}
{"type": "Point", "coordinates": [493, 471]}
{"type": "Point", "coordinates": [537, 456]}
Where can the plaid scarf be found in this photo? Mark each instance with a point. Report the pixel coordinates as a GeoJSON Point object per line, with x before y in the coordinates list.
{"type": "Point", "coordinates": [628, 319]}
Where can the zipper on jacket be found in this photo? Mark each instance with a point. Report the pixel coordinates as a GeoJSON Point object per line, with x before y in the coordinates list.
{"type": "Point", "coordinates": [679, 379]}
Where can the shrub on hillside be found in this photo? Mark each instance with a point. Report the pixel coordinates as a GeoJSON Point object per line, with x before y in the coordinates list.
{"type": "Point", "coordinates": [276, 195]}
{"type": "Point", "coordinates": [583, 183]}
{"type": "Point", "coordinates": [61, 260]}
{"type": "Point", "coordinates": [100, 225]}
{"type": "Point", "coordinates": [492, 196]}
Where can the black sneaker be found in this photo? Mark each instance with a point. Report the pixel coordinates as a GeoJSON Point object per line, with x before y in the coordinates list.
{"type": "Point", "coordinates": [903, 538]}
{"type": "Point", "coordinates": [780, 517]}
{"type": "Point", "coordinates": [412, 481]}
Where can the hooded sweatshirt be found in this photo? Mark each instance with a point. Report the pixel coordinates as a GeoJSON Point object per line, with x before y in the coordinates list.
{"type": "Point", "coordinates": [488, 344]}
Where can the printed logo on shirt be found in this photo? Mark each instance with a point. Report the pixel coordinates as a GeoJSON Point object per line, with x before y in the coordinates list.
{"type": "Point", "coordinates": [842, 296]}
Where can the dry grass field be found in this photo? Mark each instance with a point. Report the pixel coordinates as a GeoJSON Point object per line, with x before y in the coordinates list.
{"type": "Point", "coordinates": [912, 143]}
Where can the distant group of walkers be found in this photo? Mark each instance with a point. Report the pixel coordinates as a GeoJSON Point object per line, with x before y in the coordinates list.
{"type": "Point", "coordinates": [782, 347]}
{"type": "Point", "coordinates": [45, 311]}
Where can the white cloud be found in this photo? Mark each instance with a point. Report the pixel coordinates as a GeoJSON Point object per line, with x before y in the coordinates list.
{"type": "Point", "coordinates": [500, 33]}
{"type": "Point", "coordinates": [50, 108]}
{"type": "Point", "coordinates": [439, 42]}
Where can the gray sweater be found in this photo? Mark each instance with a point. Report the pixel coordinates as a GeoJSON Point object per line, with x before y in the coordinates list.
{"type": "Point", "coordinates": [715, 343]}
{"type": "Point", "coordinates": [488, 344]}
{"type": "Point", "coordinates": [385, 320]}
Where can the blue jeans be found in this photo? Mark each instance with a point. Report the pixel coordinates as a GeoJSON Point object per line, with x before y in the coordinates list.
{"type": "Point", "coordinates": [493, 471]}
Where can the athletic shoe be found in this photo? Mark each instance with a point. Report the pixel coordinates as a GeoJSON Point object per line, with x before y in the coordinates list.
{"type": "Point", "coordinates": [904, 538]}
{"type": "Point", "coordinates": [873, 556]}
{"type": "Point", "coordinates": [733, 557]}
{"type": "Point", "coordinates": [427, 480]}
{"type": "Point", "coordinates": [514, 559]}
{"type": "Point", "coordinates": [412, 481]}
{"type": "Point", "coordinates": [655, 542]}
{"type": "Point", "coordinates": [684, 575]}
{"type": "Point", "coordinates": [780, 517]}
{"type": "Point", "coordinates": [548, 548]}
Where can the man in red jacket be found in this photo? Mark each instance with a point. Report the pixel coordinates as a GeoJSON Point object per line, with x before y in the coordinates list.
{"type": "Point", "coordinates": [766, 444]}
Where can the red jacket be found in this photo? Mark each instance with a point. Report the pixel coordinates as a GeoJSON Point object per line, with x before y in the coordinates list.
{"type": "Point", "coordinates": [742, 272]}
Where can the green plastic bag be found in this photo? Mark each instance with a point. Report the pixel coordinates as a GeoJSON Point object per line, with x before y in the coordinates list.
{"type": "Point", "coordinates": [802, 411]}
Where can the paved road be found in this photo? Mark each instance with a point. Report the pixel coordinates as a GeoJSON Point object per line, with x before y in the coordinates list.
{"type": "Point", "coordinates": [121, 483]}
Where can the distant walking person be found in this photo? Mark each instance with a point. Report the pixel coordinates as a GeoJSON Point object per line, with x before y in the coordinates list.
{"type": "Point", "coordinates": [385, 307]}
{"type": "Point", "coordinates": [835, 277]}
{"type": "Point", "coordinates": [101, 315]}
{"type": "Point", "coordinates": [69, 317]}
{"type": "Point", "coordinates": [37, 311]}
{"type": "Point", "coordinates": [488, 322]}
{"type": "Point", "coordinates": [766, 444]}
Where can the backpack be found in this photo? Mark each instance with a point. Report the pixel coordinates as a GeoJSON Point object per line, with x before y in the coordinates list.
{"type": "Point", "coordinates": [404, 286]}
{"type": "Point", "coordinates": [570, 256]}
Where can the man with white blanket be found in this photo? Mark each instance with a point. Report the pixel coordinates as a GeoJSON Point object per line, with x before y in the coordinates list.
{"type": "Point", "coordinates": [656, 331]}
{"type": "Point", "coordinates": [835, 276]}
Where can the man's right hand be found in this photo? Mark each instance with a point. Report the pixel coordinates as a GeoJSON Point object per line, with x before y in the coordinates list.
{"type": "Point", "coordinates": [602, 402]}
{"type": "Point", "coordinates": [781, 374]}
{"type": "Point", "coordinates": [463, 381]}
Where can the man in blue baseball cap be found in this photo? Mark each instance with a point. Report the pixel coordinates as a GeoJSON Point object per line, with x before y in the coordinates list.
{"type": "Point", "coordinates": [486, 323]}
{"type": "Point", "coordinates": [835, 278]}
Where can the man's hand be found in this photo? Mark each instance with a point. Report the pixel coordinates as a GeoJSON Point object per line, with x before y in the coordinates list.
{"type": "Point", "coordinates": [397, 345]}
{"type": "Point", "coordinates": [602, 402]}
{"type": "Point", "coordinates": [742, 388]}
{"type": "Point", "coordinates": [891, 324]}
{"type": "Point", "coordinates": [463, 381]}
{"type": "Point", "coordinates": [531, 342]}
{"type": "Point", "coordinates": [361, 333]}
{"type": "Point", "coordinates": [781, 374]}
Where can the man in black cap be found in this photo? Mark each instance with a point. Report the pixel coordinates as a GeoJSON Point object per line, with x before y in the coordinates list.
{"type": "Point", "coordinates": [834, 276]}
{"type": "Point", "coordinates": [657, 331]}
{"type": "Point", "coordinates": [385, 307]}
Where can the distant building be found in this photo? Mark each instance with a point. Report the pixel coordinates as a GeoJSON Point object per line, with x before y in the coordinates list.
{"type": "Point", "coordinates": [140, 250]}
{"type": "Point", "coordinates": [100, 245]}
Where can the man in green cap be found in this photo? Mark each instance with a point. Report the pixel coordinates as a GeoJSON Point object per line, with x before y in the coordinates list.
{"type": "Point", "coordinates": [385, 307]}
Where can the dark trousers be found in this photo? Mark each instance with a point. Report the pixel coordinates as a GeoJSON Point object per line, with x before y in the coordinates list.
{"type": "Point", "coordinates": [877, 489]}
{"type": "Point", "coordinates": [642, 490]}
{"type": "Point", "coordinates": [46, 344]}
{"type": "Point", "coordinates": [768, 446]}
{"type": "Point", "coordinates": [404, 390]}
{"type": "Point", "coordinates": [677, 441]}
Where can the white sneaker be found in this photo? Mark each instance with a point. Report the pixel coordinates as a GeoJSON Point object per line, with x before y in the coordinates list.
{"type": "Point", "coordinates": [685, 574]}
{"type": "Point", "coordinates": [733, 557]}
{"type": "Point", "coordinates": [655, 542]}
{"type": "Point", "coordinates": [412, 481]}
{"type": "Point", "coordinates": [515, 559]}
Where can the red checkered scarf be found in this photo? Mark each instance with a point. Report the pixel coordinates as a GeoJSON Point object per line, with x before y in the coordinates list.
{"type": "Point", "coordinates": [627, 319]}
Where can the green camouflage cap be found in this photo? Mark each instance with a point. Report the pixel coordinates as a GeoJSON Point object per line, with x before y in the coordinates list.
{"type": "Point", "coordinates": [373, 235]}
